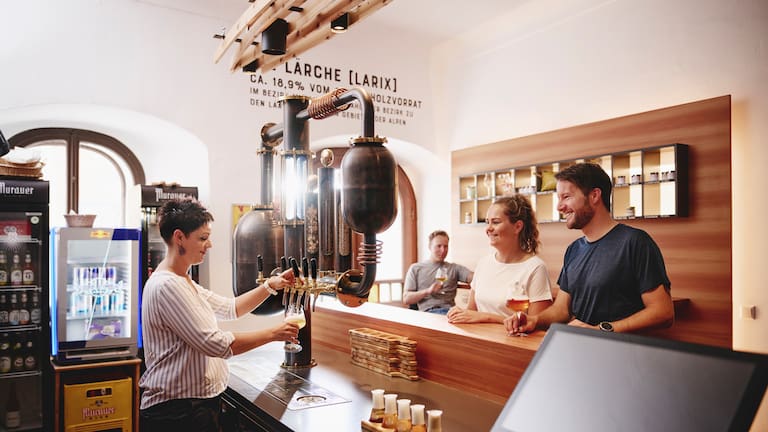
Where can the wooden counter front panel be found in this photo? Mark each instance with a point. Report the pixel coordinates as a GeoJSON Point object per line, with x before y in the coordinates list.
{"type": "Point", "coordinates": [477, 358]}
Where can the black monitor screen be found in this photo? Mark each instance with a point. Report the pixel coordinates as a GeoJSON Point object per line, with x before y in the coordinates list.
{"type": "Point", "coordinates": [587, 380]}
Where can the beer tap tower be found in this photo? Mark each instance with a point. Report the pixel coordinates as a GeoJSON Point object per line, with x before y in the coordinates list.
{"type": "Point", "coordinates": [368, 206]}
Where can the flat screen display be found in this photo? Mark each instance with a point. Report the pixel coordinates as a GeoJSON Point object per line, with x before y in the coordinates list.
{"type": "Point", "coordinates": [587, 380]}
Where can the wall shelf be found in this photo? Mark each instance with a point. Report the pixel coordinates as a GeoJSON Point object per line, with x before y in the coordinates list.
{"type": "Point", "coordinates": [648, 183]}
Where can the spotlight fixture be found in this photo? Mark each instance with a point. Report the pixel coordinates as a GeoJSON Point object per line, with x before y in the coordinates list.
{"type": "Point", "coordinates": [251, 67]}
{"type": "Point", "coordinates": [340, 24]}
{"type": "Point", "coordinates": [273, 39]}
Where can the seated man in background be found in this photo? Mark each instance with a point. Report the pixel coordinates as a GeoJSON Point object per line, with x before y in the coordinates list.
{"type": "Point", "coordinates": [613, 278]}
{"type": "Point", "coordinates": [431, 284]}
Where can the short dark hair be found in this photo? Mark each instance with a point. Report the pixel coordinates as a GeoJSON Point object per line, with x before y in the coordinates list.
{"type": "Point", "coordinates": [186, 214]}
{"type": "Point", "coordinates": [587, 176]}
{"type": "Point", "coordinates": [518, 207]}
{"type": "Point", "coordinates": [436, 233]}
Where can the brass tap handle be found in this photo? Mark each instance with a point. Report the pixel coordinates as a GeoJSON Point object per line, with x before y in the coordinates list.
{"type": "Point", "coordinates": [295, 267]}
{"type": "Point", "coordinates": [260, 268]}
{"type": "Point", "coordinates": [297, 280]}
{"type": "Point", "coordinates": [313, 269]}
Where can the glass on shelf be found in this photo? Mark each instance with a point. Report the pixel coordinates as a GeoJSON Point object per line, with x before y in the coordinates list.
{"type": "Point", "coordinates": [471, 192]}
{"type": "Point", "coordinates": [487, 185]}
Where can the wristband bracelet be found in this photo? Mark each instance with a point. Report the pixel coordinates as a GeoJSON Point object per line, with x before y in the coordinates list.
{"type": "Point", "coordinates": [268, 288]}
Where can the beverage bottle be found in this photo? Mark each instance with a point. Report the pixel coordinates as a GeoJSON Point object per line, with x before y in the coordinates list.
{"type": "Point", "coordinates": [3, 310]}
{"type": "Point", "coordinates": [5, 277]}
{"type": "Point", "coordinates": [17, 355]}
{"type": "Point", "coordinates": [377, 411]}
{"type": "Point", "coordinates": [418, 424]}
{"type": "Point", "coordinates": [34, 309]}
{"type": "Point", "coordinates": [16, 272]}
{"type": "Point", "coordinates": [30, 356]}
{"type": "Point", "coordinates": [390, 411]}
{"type": "Point", "coordinates": [5, 353]}
{"type": "Point", "coordinates": [24, 309]}
{"type": "Point", "coordinates": [435, 421]}
{"type": "Point", "coordinates": [13, 311]}
{"type": "Point", "coordinates": [28, 272]}
{"type": "Point", "coordinates": [403, 415]}
{"type": "Point", "coordinates": [12, 412]}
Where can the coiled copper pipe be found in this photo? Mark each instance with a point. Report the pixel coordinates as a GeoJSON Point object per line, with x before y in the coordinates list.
{"type": "Point", "coordinates": [325, 105]}
{"type": "Point", "coordinates": [369, 253]}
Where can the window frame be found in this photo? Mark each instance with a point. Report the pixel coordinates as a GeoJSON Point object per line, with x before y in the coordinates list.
{"type": "Point", "coordinates": [73, 139]}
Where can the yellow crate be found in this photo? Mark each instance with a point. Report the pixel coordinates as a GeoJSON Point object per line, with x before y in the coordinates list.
{"type": "Point", "coordinates": [97, 406]}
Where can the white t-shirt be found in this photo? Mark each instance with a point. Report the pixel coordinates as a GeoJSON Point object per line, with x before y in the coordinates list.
{"type": "Point", "coordinates": [494, 279]}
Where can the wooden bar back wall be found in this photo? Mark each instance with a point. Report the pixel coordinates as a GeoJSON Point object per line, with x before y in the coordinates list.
{"type": "Point", "coordinates": [697, 248]}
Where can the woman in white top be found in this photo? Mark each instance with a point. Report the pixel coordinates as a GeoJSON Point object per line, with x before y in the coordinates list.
{"type": "Point", "coordinates": [512, 231]}
{"type": "Point", "coordinates": [185, 350]}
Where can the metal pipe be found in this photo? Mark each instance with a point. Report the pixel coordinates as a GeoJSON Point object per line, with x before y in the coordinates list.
{"type": "Point", "coordinates": [326, 211]}
{"type": "Point", "coordinates": [339, 100]}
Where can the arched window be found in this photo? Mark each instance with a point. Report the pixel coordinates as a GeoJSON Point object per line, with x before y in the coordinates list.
{"type": "Point", "coordinates": [89, 172]}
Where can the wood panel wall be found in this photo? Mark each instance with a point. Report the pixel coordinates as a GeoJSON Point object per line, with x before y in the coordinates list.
{"type": "Point", "coordinates": [696, 249]}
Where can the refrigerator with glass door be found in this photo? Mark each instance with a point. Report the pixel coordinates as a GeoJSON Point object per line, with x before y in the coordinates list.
{"type": "Point", "coordinates": [24, 330]}
{"type": "Point", "coordinates": [95, 280]}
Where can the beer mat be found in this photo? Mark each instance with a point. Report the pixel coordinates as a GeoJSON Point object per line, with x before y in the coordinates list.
{"type": "Point", "coordinates": [374, 427]}
{"type": "Point", "coordinates": [291, 390]}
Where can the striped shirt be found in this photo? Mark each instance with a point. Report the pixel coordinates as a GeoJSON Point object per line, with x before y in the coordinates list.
{"type": "Point", "coordinates": [184, 348]}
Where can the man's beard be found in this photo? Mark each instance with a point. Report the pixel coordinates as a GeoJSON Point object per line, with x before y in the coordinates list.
{"type": "Point", "coordinates": [583, 216]}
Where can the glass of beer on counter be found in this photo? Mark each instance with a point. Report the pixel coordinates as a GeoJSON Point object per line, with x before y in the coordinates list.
{"type": "Point", "coordinates": [295, 315]}
{"type": "Point", "coordinates": [517, 302]}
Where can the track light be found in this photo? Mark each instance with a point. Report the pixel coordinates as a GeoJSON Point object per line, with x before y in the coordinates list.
{"type": "Point", "coordinates": [273, 39]}
{"type": "Point", "coordinates": [340, 24]}
{"type": "Point", "coordinates": [251, 67]}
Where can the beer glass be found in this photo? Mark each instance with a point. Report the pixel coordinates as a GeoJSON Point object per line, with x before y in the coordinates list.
{"type": "Point", "coordinates": [295, 315]}
{"type": "Point", "coordinates": [441, 275]}
{"type": "Point", "coordinates": [517, 301]}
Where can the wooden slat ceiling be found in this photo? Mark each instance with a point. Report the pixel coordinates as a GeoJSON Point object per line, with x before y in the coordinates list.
{"type": "Point", "coordinates": [309, 24]}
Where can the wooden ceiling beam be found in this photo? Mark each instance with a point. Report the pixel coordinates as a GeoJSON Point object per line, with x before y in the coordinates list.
{"type": "Point", "coordinates": [278, 9]}
{"type": "Point", "coordinates": [255, 10]}
{"type": "Point", "coordinates": [309, 23]}
{"type": "Point", "coordinates": [319, 31]}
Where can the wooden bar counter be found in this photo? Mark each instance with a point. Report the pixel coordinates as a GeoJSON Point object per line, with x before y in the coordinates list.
{"type": "Point", "coordinates": [257, 381]}
{"type": "Point", "coordinates": [466, 370]}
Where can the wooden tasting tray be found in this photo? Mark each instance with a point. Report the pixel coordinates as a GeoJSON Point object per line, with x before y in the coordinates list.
{"type": "Point", "coordinates": [385, 353]}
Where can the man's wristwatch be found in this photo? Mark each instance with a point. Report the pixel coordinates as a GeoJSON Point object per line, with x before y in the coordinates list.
{"type": "Point", "coordinates": [605, 326]}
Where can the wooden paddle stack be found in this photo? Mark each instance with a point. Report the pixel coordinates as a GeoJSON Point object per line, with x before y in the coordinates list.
{"type": "Point", "coordinates": [385, 353]}
{"type": "Point", "coordinates": [26, 170]}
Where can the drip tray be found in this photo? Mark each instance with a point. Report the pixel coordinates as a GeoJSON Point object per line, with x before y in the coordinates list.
{"type": "Point", "coordinates": [290, 389]}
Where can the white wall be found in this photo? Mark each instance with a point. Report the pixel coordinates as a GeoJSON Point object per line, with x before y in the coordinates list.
{"type": "Point", "coordinates": [552, 64]}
